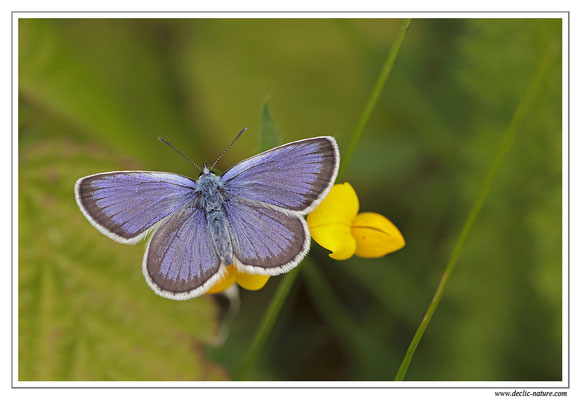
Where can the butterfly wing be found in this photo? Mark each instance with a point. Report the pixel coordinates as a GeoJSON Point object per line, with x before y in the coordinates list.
{"type": "Point", "coordinates": [266, 197]}
{"type": "Point", "coordinates": [180, 261]}
{"type": "Point", "coordinates": [266, 240]}
{"type": "Point", "coordinates": [126, 205]}
{"type": "Point", "coordinates": [295, 176]}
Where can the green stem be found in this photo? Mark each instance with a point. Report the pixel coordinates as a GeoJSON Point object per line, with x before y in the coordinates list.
{"type": "Point", "coordinates": [505, 145]}
{"type": "Point", "coordinates": [374, 95]}
{"type": "Point", "coordinates": [365, 348]}
{"type": "Point", "coordinates": [248, 366]}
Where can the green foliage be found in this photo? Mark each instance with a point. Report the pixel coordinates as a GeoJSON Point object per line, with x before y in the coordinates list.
{"type": "Point", "coordinates": [74, 69]}
{"type": "Point", "coordinates": [85, 311]}
{"type": "Point", "coordinates": [507, 140]}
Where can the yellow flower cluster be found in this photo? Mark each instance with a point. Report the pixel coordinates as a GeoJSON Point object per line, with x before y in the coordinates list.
{"type": "Point", "coordinates": [337, 226]}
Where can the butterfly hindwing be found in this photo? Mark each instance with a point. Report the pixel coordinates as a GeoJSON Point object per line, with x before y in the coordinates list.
{"type": "Point", "coordinates": [180, 261]}
{"type": "Point", "coordinates": [125, 205]}
{"type": "Point", "coordinates": [295, 176]}
{"type": "Point", "coordinates": [266, 240]}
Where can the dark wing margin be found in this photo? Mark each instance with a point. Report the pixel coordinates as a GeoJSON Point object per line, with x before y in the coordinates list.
{"type": "Point", "coordinates": [126, 205]}
{"type": "Point", "coordinates": [180, 261]}
{"type": "Point", "coordinates": [265, 240]}
{"type": "Point", "coordinates": [296, 176]}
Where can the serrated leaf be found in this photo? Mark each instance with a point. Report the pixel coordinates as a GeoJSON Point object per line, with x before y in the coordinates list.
{"type": "Point", "coordinates": [85, 311]}
{"type": "Point", "coordinates": [269, 136]}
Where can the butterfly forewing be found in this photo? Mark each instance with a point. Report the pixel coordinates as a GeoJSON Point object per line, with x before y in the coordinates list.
{"type": "Point", "coordinates": [125, 205]}
{"type": "Point", "coordinates": [264, 239]}
{"type": "Point", "coordinates": [295, 176]}
{"type": "Point", "coordinates": [180, 261]}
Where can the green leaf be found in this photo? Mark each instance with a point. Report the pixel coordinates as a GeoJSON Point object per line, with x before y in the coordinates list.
{"type": "Point", "coordinates": [85, 311]}
{"type": "Point", "coordinates": [269, 136]}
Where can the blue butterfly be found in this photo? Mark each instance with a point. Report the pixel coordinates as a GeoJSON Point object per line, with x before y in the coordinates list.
{"type": "Point", "coordinates": [250, 217]}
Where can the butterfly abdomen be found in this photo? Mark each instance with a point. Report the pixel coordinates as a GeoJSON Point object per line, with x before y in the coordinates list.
{"type": "Point", "coordinates": [212, 202]}
{"type": "Point", "coordinates": [220, 234]}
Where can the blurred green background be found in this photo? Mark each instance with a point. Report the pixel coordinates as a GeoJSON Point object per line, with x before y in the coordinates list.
{"type": "Point", "coordinates": [95, 94]}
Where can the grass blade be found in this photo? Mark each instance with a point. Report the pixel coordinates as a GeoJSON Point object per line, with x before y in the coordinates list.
{"type": "Point", "coordinates": [248, 366]}
{"type": "Point", "coordinates": [372, 100]}
{"type": "Point", "coordinates": [505, 145]}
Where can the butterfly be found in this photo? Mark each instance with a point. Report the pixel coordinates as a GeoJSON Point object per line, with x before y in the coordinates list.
{"type": "Point", "coordinates": [250, 217]}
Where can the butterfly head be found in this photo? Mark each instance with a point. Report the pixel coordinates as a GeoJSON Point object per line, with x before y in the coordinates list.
{"type": "Point", "coordinates": [209, 184]}
{"type": "Point", "coordinates": [206, 170]}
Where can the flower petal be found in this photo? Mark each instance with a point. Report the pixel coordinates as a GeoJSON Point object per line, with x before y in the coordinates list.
{"type": "Point", "coordinates": [225, 282]}
{"type": "Point", "coordinates": [339, 207]}
{"type": "Point", "coordinates": [336, 238]}
{"type": "Point", "coordinates": [375, 235]}
{"type": "Point", "coordinates": [250, 281]}
{"type": "Point", "coordinates": [330, 222]}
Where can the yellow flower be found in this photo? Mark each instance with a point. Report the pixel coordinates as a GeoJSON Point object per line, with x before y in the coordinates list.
{"type": "Point", "coordinates": [336, 225]}
{"type": "Point", "coordinates": [245, 280]}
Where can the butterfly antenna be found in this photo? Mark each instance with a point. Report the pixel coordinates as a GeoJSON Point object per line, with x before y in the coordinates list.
{"type": "Point", "coordinates": [179, 152]}
{"type": "Point", "coordinates": [228, 148]}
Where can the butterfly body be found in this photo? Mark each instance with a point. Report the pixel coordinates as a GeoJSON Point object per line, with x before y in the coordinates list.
{"type": "Point", "coordinates": [250, 217]}
{"type": "Point", "coordinates": [211, 199]}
